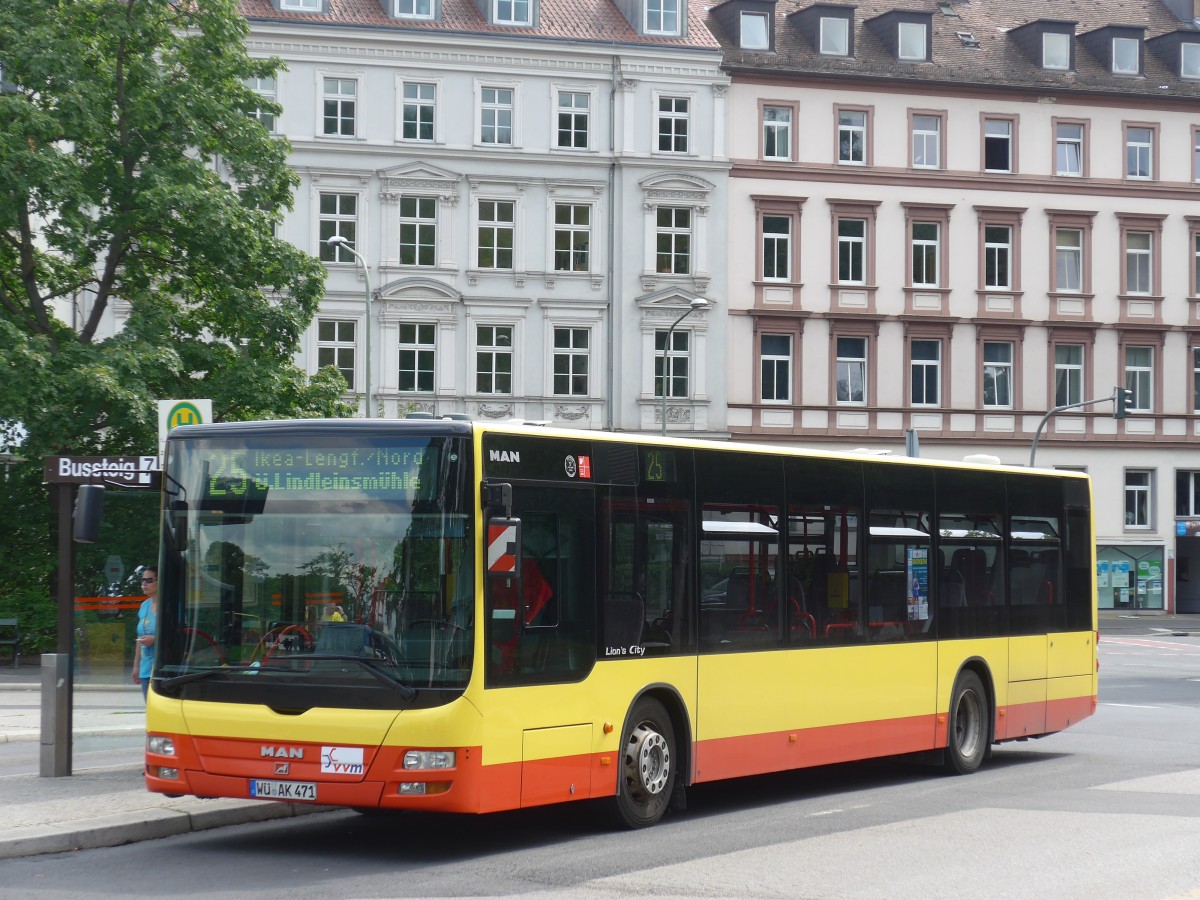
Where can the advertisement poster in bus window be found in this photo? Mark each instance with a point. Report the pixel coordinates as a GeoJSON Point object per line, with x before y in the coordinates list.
{"type": "Point", "coordinates": [918, 584]}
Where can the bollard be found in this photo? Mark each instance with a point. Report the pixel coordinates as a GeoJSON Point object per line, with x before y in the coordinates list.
{"type": "Point", "coordinates": [56, 715]}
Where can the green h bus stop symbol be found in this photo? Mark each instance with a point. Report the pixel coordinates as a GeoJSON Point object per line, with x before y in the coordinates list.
{"type": "Point", "coordinates": [184, 413]}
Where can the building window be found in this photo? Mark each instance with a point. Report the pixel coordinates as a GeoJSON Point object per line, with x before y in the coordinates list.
{"type": "Point", "coordinates": [777, 248]}
{"type": "Point", "coordinates": [677, 376]}
{"type": "Point", "coordinates": [1187, 494]}
{"type": "Point", "coordinates": [852, 137]}
{"type": "Point", "coordinates": [1139, 152]}
{"type": "Point", "coordinates": [1189, 60]}
{"type": "Point", "coordinates": [265, 88]}
{"type": "Point", "coordinates": [997, 374]}
{"type": "Point", "coordinates": [572, 237]}
{"type": "Point", "coordinates": [1068, 148]}
{"type": "Point", "coordinates": [1125, 56]}
{"type": "Point", "coordinates": [673, 238]}
{"type": "Point", "coordinates": [1068, 374]}
{"type": "Point", "coordinates": [926, 142]}
{"type": "Point", "coordinates": [414, 9]}
{"type": "Point", "coordinates": [336, 346]}
{"type": "Point", "coordinates": [926, 253]}
{"type": "Point", "coordinates": [300, 5]}
{"type": "Point", "coordinates": [852, 370]}
{"type": "Point", "coordinates": [417, 112]}
{"type": "Point", "coordinates": [1196, 263]}
{"type": "Point", "coordinates": [1139, 378]}
{"type": "Point", "coordinates": [852, 247]}
{"type": "Point", "coordinates": [777, 132]}
{"type": "Point", "coordinates": [775, 353]}
{"type": "Point", "coordinates": [417, 355]}
{"type": "Point", "coordinates": [496, 233]}
{"type": "Point", "coordinates": [1068, 260]}
{"type": "Point", "coordinates": [573, 120]}
{"type": "Point", "coordinates": [1196, 151]}
{"type": "Point", "coordinates": [1196, 379]}
{"type": "Point", "coordinates": [338, 217]}
{"type": "Point", "coordinates": [1137, 498]}
{"type": "Point", "coordinates": [418, 231]}
{"type": "Point", "coordinates": [496, 116]}
{"type": "Point", "coordinates": [912, 46]}
{"type": "Point", "coordinates": [835, 36]}
{"type": "Point", "coordinates": [754, 32]}
{"type": "Point", "coordinates": [512, 12]}
{"type": "Point", "coordinates": [997, 145]}
{"type": "Point", "coordinates": [339, 101]}
{"type": "Point", "coordinates": [1056, 52]}
{"type": "Point", "coordinates": [673, 124]}
{"type": "Point", "coordinates": [570, 361]}
{"type": "Point", "coordinates": [662, 17]}
{"type": "Point", "coordinates": [1138, 261]}
{"type": "Point", "coordinates": [997, 257]}
{"type": "Point", "coordinates": [493, 359]}
{"type": "Point", "coordinates": [926, 373]}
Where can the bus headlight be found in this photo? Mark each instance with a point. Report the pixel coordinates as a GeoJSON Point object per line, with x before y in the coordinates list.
{"type": "Point", "coordinates": [429, 759]}
{"type": "Point", "coordinates": [160, 745]}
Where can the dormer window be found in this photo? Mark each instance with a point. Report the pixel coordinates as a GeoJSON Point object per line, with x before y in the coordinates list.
{"type": "Point", "coordinates": [754, 31]}
{"type": "Point", "coordinates": [1189, 60]}
{"type": "Point", "coordinates": [1126, 56]}
{"type": "Point", "coordinates": [301, 5]}
{"type": "Point", "coordinates": [662, 17]}
{"type": "Point", "coordinates": [412, 9]}
{"type": "Point", "coordinates": [913, 45]}
{"type": "Point", "coordinates": [1056, 51]}
{"type": "Point", "coordinates": [905, 34]}
{"type": "Point", "coordinates": [835, 36]}
{"type": "Point", "coordinates": [511, 12]}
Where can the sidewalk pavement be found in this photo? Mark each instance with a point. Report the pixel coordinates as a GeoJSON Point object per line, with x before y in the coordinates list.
{"type": "Point", "coordinates": [106, 807]}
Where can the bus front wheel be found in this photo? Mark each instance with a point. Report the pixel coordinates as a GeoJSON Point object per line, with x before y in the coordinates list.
{"type": "Point", "coordinates": [647, 771]}
{"type": "Point", "coordinates": [967, 742]}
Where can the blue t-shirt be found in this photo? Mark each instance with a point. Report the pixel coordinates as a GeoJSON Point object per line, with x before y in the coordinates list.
{"type": "Point", "coordinates": [147, 624]}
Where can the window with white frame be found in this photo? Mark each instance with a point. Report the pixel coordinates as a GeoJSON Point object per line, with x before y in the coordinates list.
{"type": "Point", "coordinates": [336, 347]}
{"type": "Point", "coordinates": [1138, 262]}
{"type": "Point", "coordinates": [1196, 263]}
{"type": "Point", "coordinates": [754, 33]}
{"type": "Point", "coordinates": [570, 359]}
{"type": "Point", "coordinates": [834, 36]}
{"type": "Point", "coordinates": [1068, 374]}
{"type": "Point", "coordinates": [997, 257]}
{"type": "Point", "coordinates": [338, 217]}
{"type": "Point", "coordinates": [511, 12]}
{"type": "Point", "coordinates": [926, 142]}
{"type": "Point", "coordinates": [1187, 493]}
{"type": "Point", "coordinates": [997, 374]}
{"type": "Point", "coordinates": [496, 232]}
{"type": "Point", "coordinates": [777, 248]}
{"type": "Point", "coordinates": [572, 237]}
{"type": "Point", "coordinates": [339, 102]}
{"type": "Point", "coordinates": [1189, 60]}
{"type": "Point", "coordinates": [852, 137]}
{"type": "Point", "coordinates": [417, 111]}
{"type": "Point", "coordinates": [1125, 56]}
{"type": "Point", "coordinates": [1139, 378]}
{"type": "Point", "coordinates": [997, 145]}
{"type": "Point", "coordinates": [673, 124]}
{"type": "Point", "coordinates": [1068, 148]}
{"type": "Point", "coordinates": [418, 355]}
{"type": "Point", "coordinates": [414, 9]}
{"type": "Point", "coordinates": [777, 132]}
{"type": "Point", "coordinates": [926, 254]}
{"type": "Point", "coordinates": [418, 231]}
{"type": "Point", "coordinates": [574, 118]}
{"type": "Point", "coordinates": [1056, 51]}
{"type": "Point", "coordinates": [1068, 259]}
{"type": "Point", "coordinates": [265, 87]}
{"type": "Point", "coordinates": [675, 364]}
{"type": "Point", "coordinates": [1137, 498]}
{"type": "Point", "coordinates": [912, 43]}
{"type": "Point", "coordinates": [300, 5]}
{"type": "Point", "coordinates": [852, 251]}
{"type": "Point", "coordinates": [673, 240]}
{"type": "Point", "coordinates": [1139, 152]}
{"type": "Point", "coordinates": [852, 371]}
{"type": "Point", "coordinates": [775, 354]}
{"type": "Point", "coordinates": [926, 362]}
{"type": "Point", "coordinates": [493, 359]}
{"type": "Point", "coordinates": [1196, 153]}
{"type": "Point", "coordinates": [662, 16]}
{"type": "Point", "coordinates": [495, 115]}
{"type": "Point", "coordinates": [1196, 379]}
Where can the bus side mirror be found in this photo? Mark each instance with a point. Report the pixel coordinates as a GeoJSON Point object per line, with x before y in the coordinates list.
{"type": "Point", "coordinates": [89, 511]}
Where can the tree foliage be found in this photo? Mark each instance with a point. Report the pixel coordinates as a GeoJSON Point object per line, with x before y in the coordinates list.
{"type": "Point", "coordinates": [137, 187]}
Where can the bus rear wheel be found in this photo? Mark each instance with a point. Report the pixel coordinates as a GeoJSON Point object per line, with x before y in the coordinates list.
{"type": "Point", "coordinates": [967, 743]}
{"type": "Point", "coordinates": [647, 771]}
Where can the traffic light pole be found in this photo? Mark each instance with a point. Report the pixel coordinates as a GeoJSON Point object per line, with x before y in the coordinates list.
{"type": "Point", "coordinates": [1120, 397]}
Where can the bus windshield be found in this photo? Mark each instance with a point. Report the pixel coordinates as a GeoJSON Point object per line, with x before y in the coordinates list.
{"type": "Point", "coordinates": [299, 560]}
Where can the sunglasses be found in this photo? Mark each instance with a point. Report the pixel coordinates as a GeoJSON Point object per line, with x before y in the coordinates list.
{"type": "Point", "coordinates": [149, 580]}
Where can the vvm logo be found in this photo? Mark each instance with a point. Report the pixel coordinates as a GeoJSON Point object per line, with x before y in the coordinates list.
{"type": "Point", "coordinates": [184, 414]}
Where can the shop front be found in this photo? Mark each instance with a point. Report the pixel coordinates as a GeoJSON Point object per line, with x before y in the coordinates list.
{"type": "Point", "coordinates": [1131, 576]}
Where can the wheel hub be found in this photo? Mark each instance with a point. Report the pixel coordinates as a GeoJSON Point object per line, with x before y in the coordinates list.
{"type": "Point", "coordinates": [650, 759]}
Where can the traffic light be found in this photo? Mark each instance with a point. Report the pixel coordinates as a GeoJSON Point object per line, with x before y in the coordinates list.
{"type": "Point", "coordinates": [1122, 400]}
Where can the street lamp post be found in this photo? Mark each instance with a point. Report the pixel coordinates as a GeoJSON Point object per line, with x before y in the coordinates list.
{"type": "Point", "coordinates": [698, 303]}
{"type": "Point", "coordinates": [338, 241]}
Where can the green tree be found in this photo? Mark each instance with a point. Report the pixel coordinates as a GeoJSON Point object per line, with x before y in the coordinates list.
{"type": "Point", "coordinates": [138, 186]}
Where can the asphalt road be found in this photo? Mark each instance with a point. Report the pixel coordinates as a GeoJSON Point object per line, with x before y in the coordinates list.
{"type": "Point", "coordinates": [1108, 809]}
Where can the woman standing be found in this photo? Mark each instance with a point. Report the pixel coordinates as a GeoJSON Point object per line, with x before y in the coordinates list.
{"type": "Point", "coordinates": [147, 625]}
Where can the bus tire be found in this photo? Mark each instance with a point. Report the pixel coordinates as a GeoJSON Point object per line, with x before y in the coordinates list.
{"type": "Point", "coordinates": [647, 772]}
{"type": "Point", "coordinates": [967, 737]}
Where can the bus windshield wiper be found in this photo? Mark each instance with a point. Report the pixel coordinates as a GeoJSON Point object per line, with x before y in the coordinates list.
{"type": "Point", "coordinates": [176, 680]}
{"type": "Point", "coordinates": [372, 665]}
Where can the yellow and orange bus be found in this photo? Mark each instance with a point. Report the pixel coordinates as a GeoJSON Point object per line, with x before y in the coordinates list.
{"type": "Point", "coordinates": [448, 615]}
